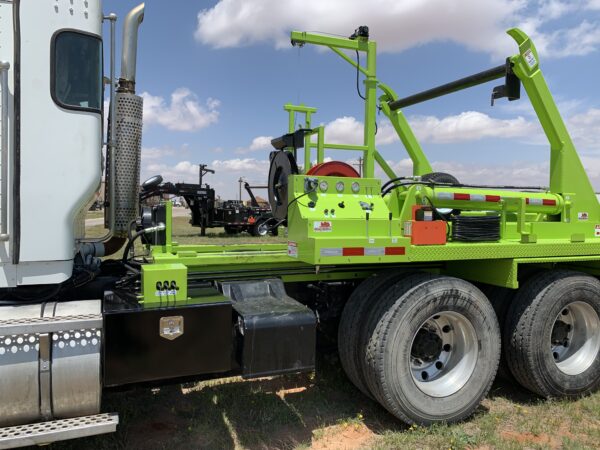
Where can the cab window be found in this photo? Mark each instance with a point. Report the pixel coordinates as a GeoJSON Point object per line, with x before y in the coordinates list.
{"type": "Point", "coordinates": [77, 71]}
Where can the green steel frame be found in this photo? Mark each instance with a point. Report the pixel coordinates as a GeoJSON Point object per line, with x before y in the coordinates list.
{"type": "Point", "coordinates": [559, 226]}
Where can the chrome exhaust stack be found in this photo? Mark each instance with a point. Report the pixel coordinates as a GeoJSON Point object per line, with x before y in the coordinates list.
{"type": "Point", "coordinates": [123, 159]}
{"type": "Point", "coordinates": [133, 20]}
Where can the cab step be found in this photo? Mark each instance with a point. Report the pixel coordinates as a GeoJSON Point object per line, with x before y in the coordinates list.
{"type": "Point", "coordinates": [42, 433]}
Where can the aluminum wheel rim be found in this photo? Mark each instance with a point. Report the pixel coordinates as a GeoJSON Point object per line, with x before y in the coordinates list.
{"type": "Point", "coordinates": [262, 229]}
{"type": "Point", "coordinates": [575, 339]}
{"type": "Point", "coordinates": [444, 372]}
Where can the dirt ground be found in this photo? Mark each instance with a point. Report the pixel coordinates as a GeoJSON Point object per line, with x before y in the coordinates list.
{"type": "Point", "coordinates": [323, 410]}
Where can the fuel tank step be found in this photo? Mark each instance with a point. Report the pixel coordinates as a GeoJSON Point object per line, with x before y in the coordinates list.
{"type": "Point", "coordinates": [57, 430]}
{"type": "Point", "coordinates": [276, 334]}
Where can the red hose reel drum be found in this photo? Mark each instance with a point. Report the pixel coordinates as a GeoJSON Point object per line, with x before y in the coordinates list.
{"type": "Point", "coordinates": [333, 169]}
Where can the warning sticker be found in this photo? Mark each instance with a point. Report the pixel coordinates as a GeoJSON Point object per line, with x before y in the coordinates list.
{"type": "Point", "coordinates": [530, 58]}
{"type": "Point", "coordinates": [582, 216]}
{"type": "Point", "coordinates": [322, 226]}
{"type": "Point", "coordinates": [597, 231]}
{"type": "Point", "coordinates": [292, 249]}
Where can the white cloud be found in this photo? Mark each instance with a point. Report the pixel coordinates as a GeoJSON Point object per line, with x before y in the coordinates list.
{"type": "Point", "coordinates": [466, 126]}
{"type": "Point", "coordinates": [470, 126]}
{"type": "Point", "coordinates": [249, 167]}
{"type": "Point", "coordinates": [258, 143]}
{"type": "Point", "coordinates": [584, 129]}
{"type": "Point", "coordinates": [395, 25]}
{"type": "Point", "coordinates": [261, 143]}
{"type": "Point", "coordinates": [183, 171]}
{"type": "Point", "coordinates": [154, 153]}
{"type": "Point", "coordinates": [349, 130]}
{"type": "Point", "coordinates": [183, 113]}
{"type": "Point", "coordinates": [477, 24]}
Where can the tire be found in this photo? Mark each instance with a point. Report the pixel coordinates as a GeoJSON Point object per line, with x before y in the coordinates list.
{"type": "Point", "coordinates": [352, 325]}
{"type": "Point", "coordinates": [554, 307]}
{"type": "Point", "coordinates": [401, 363]}
{"type": "Point", "coordinates": [501, 299]}
{"type": "Point", "coordinates": [260, 228]}
{"type": "Point", "coordinates": [440, 177]}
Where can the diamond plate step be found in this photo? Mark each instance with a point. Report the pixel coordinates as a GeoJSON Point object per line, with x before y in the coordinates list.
{"type": "Point", "coordinates": [57, 430]}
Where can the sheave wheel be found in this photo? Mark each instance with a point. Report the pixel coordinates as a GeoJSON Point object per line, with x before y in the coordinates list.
{"type": "Point", "coordinates": [432, 355]}
{"type": "Point", "coordinates": [552, 335]}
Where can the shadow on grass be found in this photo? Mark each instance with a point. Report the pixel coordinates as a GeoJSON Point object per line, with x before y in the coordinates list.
{"type": "Point", "coordinates": [510, 390]}
{"type": "Point", "coordinates": [279, 413]}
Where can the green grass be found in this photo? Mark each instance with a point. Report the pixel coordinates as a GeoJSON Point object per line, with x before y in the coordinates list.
{"type": "Point", "coordinates": [324, 410]}
{"type": "Point", "coordinates": [294, 412]}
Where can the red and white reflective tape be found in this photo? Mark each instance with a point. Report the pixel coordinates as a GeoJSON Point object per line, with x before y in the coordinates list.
{"type": "Point", "coordinates": [540, 201]}
{"type": "Point", "coordinates": [363, 251]}
{"type": "Point", "coordinates": [468, 197]}
{"type": "Point", "coordinates": [457, 196]}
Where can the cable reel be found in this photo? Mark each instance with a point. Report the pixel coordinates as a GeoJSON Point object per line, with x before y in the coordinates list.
{"type": "Point", "coordinates": [282, 166]}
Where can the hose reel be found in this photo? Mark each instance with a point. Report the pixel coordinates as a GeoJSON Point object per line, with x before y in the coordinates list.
{"type": "Point", "coordinates": [282, 166]}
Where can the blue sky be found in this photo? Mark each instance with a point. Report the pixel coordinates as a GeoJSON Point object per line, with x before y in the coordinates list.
{"type": "Point", "coordinates": [215, 75]}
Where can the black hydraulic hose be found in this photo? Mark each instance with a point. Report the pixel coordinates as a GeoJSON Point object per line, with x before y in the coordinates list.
{"type": "Point", "coordinates": [393, 180]}
{"type": "Point", "coordinates": [475, 186]}
{"type": "Point", "coordinates": [132, 239]}
{"type": "Point", "coordinates": [130, 242]}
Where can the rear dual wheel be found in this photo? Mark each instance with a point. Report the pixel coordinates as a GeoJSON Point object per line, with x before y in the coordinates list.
{"type": "Point", "coordinates": [428, 347]}
{"type": "Point", "coordinates": [552, 335]}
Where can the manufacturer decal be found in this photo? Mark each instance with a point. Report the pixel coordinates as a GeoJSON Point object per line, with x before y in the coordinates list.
{"type": "Point", "coordinates": [407, 228]}
{"type": "Point", "coordinates": [597, 231]}
{"type": "Point", "coordinates": [582, 216]}
{"type": "Point", "coordinates": [171, 327]}
{"type": "Point", "coordinates": [292, 249]}
{"type": "Point", "coordinates": [530, 58]}
{"type": "Point", "coordinates": [322, 226]}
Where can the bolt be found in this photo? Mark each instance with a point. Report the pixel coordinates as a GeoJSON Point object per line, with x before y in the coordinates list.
{"type": "Point", "coordinates": [439, 365]}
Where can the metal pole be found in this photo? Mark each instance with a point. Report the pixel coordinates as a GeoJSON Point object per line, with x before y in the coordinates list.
{"type": "Point", "coordinates": [448, 88]}
{"type": "Point", "coordinates": [4, 67]}
{"type": "Point", "coordinates": [111, 139]}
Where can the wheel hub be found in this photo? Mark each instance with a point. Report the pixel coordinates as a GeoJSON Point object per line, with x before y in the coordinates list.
{"type": "Point", "coordinates": [427, 345]}
{"type": "Point", "coordinates": [575, 338]}
{"type": "Point", "coordinates": [443, 354]}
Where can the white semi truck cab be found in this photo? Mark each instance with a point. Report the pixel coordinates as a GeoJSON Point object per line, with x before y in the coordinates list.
{"type": "Point", "coordinates": [53, 89]}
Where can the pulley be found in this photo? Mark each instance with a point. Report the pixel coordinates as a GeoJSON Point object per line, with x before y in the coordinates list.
{"type": "Point", "coordinates": [333, 169]}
